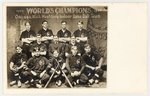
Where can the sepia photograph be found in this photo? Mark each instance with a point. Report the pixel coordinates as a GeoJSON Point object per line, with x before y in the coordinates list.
{"type": "Point", "coordinates": [56, 46]}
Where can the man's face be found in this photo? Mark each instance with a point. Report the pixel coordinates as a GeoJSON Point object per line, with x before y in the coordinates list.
{"type": "Point", "coordinates": [87, 49]}
{"type": "Point", "coordinates": [28, 26]}
{"type": "Point", "coordinates": [63, 25]}
{"type": "Point", "coordinates": [55, 54]}
{"type": "Point", "coordinates": [80, 26]}
{"type": "Point", "coordinates": [73, 41]}
{"type": "Point", "coordinates": [74, 50]}
{"type": "Point", "coordinates": [37, 54]}
{"type": "Point", "coordinates": [45, 24]}
{"type": "Point", "coordinates": [18, 50]}
{"type": "Point", "coordinates": [38, 40]}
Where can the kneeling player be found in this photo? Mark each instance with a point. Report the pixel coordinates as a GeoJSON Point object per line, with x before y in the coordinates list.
{"type": "Point", "coordinates": [75, 66]}
{"type": "Point", "coordinates": [36, 70]}
{"type": "Point", "coordinates": [16, 64]}
{"type": "Point", "coordinates": [57, 65]}
{"type": "Point", "coordinates": [93, 64]}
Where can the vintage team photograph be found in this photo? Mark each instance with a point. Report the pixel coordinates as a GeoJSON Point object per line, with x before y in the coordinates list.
{"type": "Point", "coordinates": [56, 46]}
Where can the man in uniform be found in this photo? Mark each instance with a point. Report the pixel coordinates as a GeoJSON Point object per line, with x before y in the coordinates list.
{"type": "Point", "coordinates": [58, 64]}
{"type": "Point", "coordinates": [55, 45]}
{"type": "Point", "coordinates": [28, 33]}
{"type": "Point", "coordinates": [75, 65]}
{"type": "Point", "coordinates": [64, 32]}
{"type": "Point", "coordinates": [70, 45]}
{"type": "Point", "coordinates": [36, 70]}
{"type": "Point", "coordinates": [45, 32]}
{"type": "Point", "coordinates": [81, 33]}
{"type": "Point", "coordinates": [17, 62]}
{"type": "Point", "coordinates": [93, 62]}
{"type": "Point", "coordinates": [38, 46]}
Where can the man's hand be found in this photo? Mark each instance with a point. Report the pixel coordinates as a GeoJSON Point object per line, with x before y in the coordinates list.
{"type": "Point", "coordinates": [41, 75]}
{"type": "Point", "coordinates": [64, 65]}
{"type": "Point", "coordinates": [72, 74]}
{"type": "Point", "coordinates": [34, 73]}
{"type": "Point", "coordinates": [66, 54]}
{"type": "Point", "coordinates": [76, 73]}
{"type": "Point", "coordinates": [15, 69]}
{"type": "Point", "coordinates": [77, 39]}
{"type": "Point", "coordinates": [53, 69]}
{"type": "Point", "coordinates": [97, 67]}
{"type": "Point", "coordinates": [58, 72]}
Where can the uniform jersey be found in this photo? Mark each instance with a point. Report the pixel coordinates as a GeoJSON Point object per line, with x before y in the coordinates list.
{"type": "Point", "coordinates": [66, 33]}
{"type": "Point", "coordinates": [47, 32]}
{"type": "Point", "coordinates": [81, 33]}
{"type": "Point", "coordinates": [37, 64]}
{"type": "Point", "coordinates": [69, 46]}
{"type": "Point", "coordinates": [54, 62]}
{"type": "Point", "coordinates": [18, 58]}
{"type": "Point", "coordinates": [27, 34]}
{"type": "Point", "coordinates": [55, 46]}
{"type": "Point", "coordinates": [38, 47]}
{"type": "Point", "coordinates": [75, 63]}
{"type": "Point", "coordinates": [91, 58]}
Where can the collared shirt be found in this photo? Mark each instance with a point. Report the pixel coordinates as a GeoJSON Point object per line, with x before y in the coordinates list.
{"type": "Point", "coordinates": [37, 64]}
{"type": "Point", "coordinates": [45, 32]}
{"type": "Point", "coordinates": [75, 62]}
{"type": "Point", "coordinates": [91, 58]}
{"type": "Point", "coordinates": [64, 33]}
{"type": "Point", "coordinates": [69, 46]}
{"type": "Point", "coordinates": [18, 58]}
{"type": "Point", "coordinates": [81, 33]}
{"type": "Point", "coordinates": [56, 46]}
{"type": "Point", "coordinates": [54, 62]}
{"type": "Point", "coordinates": [38, 47]}
{"type": "Point", "coordinates": [27, 34]}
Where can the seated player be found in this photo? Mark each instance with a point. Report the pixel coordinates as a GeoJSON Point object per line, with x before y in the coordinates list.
{"type": "Point", "coordinates": [69, 46]}
{"type": "Point", "coordinates": [93, 62]}
{"type": "Point", "coordinates": [17, 62]}
{"type": "Point", "coordinates": [39, 47]}
{"type": "Point", "coordinates": [55, 45]}
{"type": "Point", "coordinates": [36, 70]}
{"type": "Point", "coordinates": [75, 65]}
{"type": "Point", "coordinates": [56, 63]}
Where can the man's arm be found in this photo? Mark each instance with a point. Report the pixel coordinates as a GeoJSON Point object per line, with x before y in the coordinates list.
{"type": "Point", "coordinates": [11, 66]}
{"type": "Point", "coordinates": [67, 65]}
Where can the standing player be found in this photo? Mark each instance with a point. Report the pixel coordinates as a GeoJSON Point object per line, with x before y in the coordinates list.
{"type": "Point", "coordinates": [17, 62]}
{"type": "Point", "coordinates": [80, 32]}
{"type": "Point", "coordinates": [93, 64]}
{"type": "Point", "coordinates": [45, 32]}
{"type": "Point", "coordinates": [64, 32]}
{"type": "Point", "coordinates": [25, 35]}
